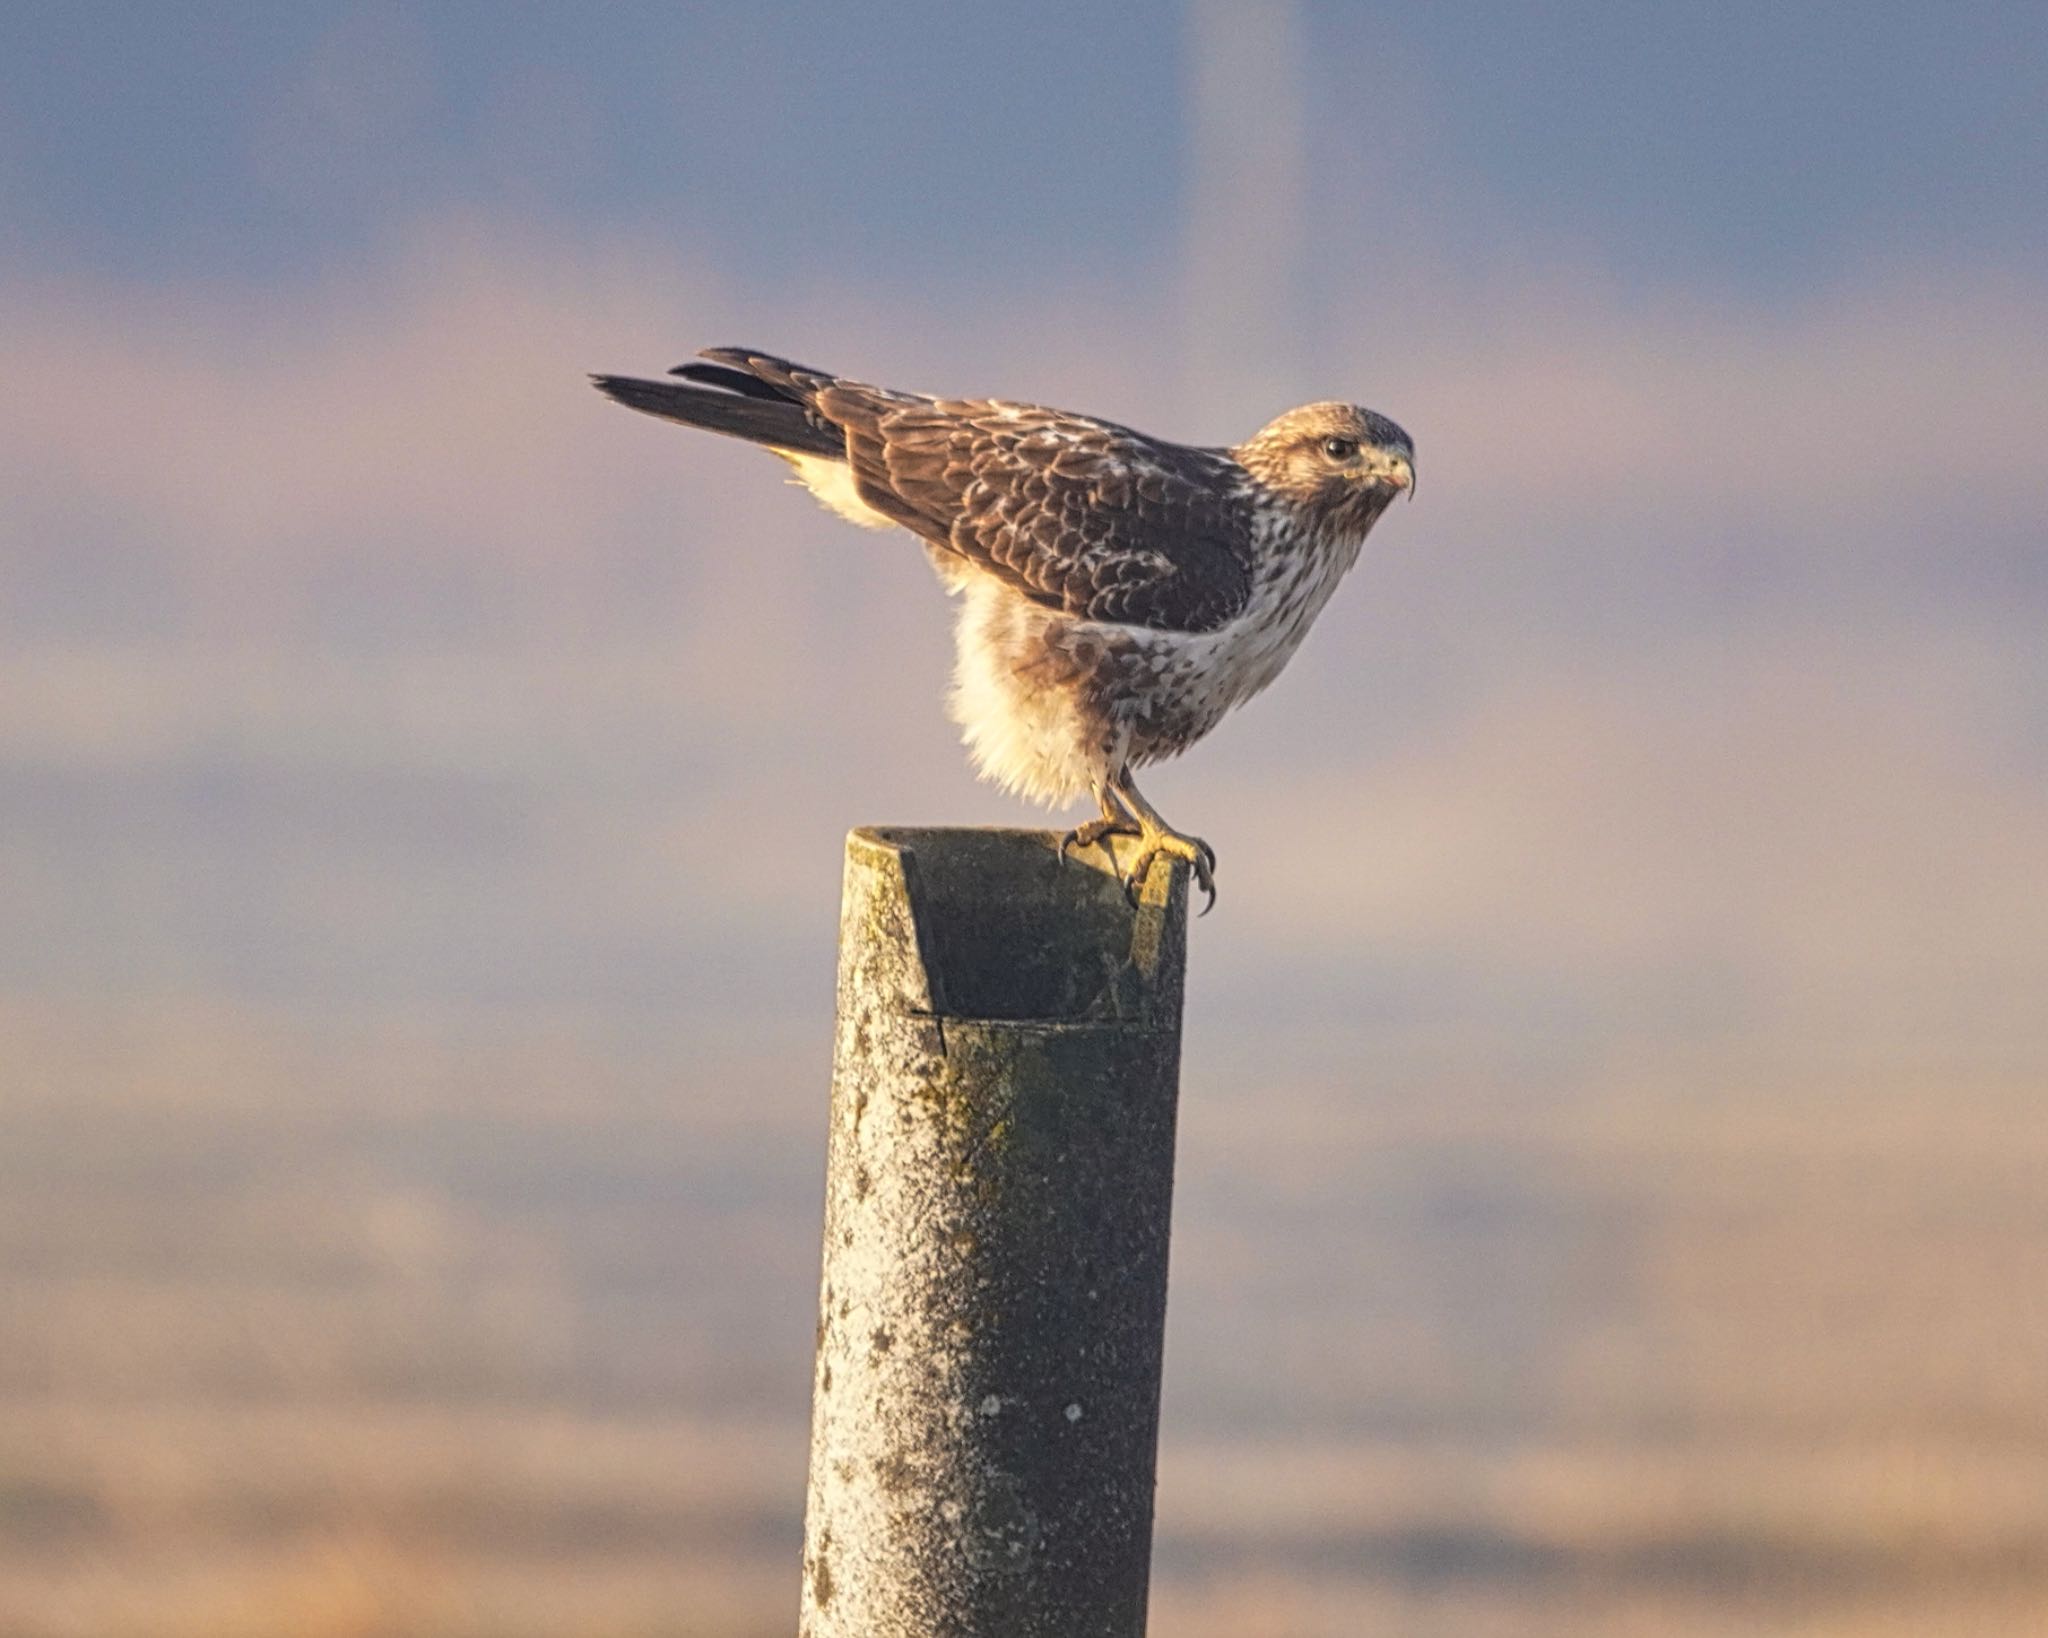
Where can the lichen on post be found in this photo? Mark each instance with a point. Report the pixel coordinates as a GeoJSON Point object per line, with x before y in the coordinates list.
{"type": "Point", "coordinates": [998, 1195]}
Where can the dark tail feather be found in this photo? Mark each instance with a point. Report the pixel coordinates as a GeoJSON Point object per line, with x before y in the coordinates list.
{"type": "Point", "coordinates": [775, 421]}
{"type": "Point", "coordinates": [793, 380]}
{"type": "Point", "coordinates": [748, 386]}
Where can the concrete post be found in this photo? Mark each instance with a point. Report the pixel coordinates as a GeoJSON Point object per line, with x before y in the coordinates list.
{"type": "Point", "coordinates": [999, 1186]}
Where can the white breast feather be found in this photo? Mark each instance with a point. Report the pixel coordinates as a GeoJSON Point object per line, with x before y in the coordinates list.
{"type": "Point", "coordinates": [1033, 740]}
{"type": "Point", "coordinates": [832, 483]}
{"type": "Point", "coordinates": [1028, 740]}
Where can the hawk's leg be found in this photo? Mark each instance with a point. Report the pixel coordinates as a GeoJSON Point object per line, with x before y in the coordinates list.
{"type": "Point", "coordinates": [1116, 820]}
{"type": "Point", "coordinates": [1156, 836]}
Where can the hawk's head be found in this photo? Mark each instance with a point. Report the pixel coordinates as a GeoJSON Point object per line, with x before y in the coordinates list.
{"type": "Point", "coordinates": [1338, 465]}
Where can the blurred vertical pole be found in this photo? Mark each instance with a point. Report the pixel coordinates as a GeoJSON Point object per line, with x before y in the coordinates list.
{"type": "Point", "coordinates": [1247, 210]}
{"type": "Point", "coordinates": [998, 1193]}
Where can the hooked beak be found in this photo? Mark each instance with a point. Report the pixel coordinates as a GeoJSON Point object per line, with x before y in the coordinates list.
{"type": "Point", "coordinates": [1397, 472]}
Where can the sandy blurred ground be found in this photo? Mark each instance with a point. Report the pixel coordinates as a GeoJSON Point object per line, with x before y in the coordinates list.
{"type": "Point", "coordinates": [499, 1325]}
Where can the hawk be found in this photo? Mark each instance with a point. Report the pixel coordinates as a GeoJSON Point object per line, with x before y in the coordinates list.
{"type": "Point", "coordinates": [1119, 593]}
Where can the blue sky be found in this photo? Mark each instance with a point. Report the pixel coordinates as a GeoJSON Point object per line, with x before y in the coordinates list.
{"type": "Point", "coordinates": [1751, 147]}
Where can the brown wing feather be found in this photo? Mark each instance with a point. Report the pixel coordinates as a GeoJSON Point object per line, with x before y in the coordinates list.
{"type": "Point", "coordinates": [1077, 514]}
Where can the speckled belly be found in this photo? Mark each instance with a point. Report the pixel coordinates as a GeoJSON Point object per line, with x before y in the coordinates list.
{"type": "Point", "coordinates": [1051, 706]}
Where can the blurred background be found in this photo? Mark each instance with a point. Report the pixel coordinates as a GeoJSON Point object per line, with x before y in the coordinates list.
{"type": "Point", "coordinates": [1614, 1152]}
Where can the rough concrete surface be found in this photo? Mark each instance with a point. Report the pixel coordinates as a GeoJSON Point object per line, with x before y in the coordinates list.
{"type": "Point", "coordinates": [998, 1196]}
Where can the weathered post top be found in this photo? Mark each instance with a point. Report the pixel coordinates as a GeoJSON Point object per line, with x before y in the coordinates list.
{"type": "Point", "coordinates": [998, 1195]}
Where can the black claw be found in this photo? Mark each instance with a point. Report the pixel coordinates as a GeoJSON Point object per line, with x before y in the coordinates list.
{"type": "Point", "coordinates": [1134, 883]}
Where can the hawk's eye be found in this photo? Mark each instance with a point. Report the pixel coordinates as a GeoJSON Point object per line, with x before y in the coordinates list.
{"type": "Point", "coordinates": [1340, 449]}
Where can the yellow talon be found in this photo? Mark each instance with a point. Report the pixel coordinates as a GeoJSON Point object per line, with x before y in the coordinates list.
{"type": "Point", "coordinates": [1156, 836]}
{"type": "Point", "coordinates": [1198, 854]}
{"type": "Point", "coordinates": [1093, 831]}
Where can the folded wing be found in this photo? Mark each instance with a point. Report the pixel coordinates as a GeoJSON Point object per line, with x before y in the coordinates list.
{"type": "Point", "coordinates": [1080, 515]}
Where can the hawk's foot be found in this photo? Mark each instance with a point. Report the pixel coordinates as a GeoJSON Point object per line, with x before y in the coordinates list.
{"type": "Point", "coordinates": [1094, 830]}
{"type": "Point", "coordinates": [1200, 856]}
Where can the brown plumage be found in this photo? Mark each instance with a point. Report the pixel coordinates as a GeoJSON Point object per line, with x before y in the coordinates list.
{"type": "Point", "coordinates": [1121, 592]}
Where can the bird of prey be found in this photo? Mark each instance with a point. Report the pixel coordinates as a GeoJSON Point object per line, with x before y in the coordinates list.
{"type": "Point", "coordinates": [1119, 593]}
